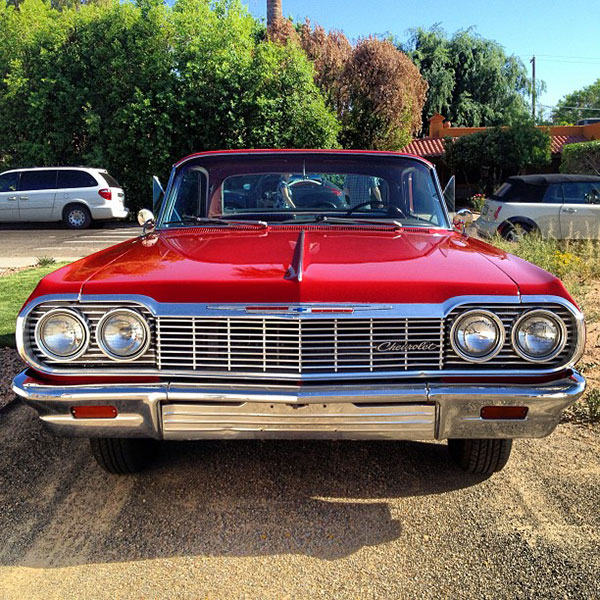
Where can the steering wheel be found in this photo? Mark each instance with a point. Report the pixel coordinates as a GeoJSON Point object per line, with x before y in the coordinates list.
{"type": "Point", "coordinates": [398, 212]}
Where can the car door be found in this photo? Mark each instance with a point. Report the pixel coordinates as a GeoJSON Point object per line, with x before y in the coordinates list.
{"type": "Point", "coordinates": [9, 201]}
{"type": "Point", "coordinates": [580, 213]}
{"type": "Point", "coordinates": [75, 186]}
{"type": "Point", "coordinates": [37, 189]}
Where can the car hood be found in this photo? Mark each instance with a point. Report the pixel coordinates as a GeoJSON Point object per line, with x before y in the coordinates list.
{"type": "Point", "coordinates": [308, 264]}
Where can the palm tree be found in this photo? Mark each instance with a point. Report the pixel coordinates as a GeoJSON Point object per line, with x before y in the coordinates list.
{"type": "Point", "coordinates": [274, 12]}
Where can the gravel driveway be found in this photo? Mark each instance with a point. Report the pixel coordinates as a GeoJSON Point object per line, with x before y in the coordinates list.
{"type": "Point", "coordinates": [297, 519]}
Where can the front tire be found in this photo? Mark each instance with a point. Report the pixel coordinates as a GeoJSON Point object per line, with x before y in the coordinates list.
{"type": "Point", "coordinates": [514, 232]}
{"type": "Point", "coordinates": [480, 457]}
{"type": "Point", "coordinates": [122, 456]}
{"type": "Point", "coordinates": [77, 216]}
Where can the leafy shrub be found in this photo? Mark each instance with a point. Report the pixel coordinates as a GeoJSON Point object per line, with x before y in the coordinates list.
{"type": "Point", "coordinates": [581, 158]}
{"type": "Point", "coordinates": [490, 153]}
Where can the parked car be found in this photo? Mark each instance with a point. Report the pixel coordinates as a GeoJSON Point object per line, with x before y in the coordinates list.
{"type": "Point", "coordinates": [75, 195]}
{"type": "Point", "coordinates": [373, 322]}
{"type": "Point", "coordinates": [560, 206]}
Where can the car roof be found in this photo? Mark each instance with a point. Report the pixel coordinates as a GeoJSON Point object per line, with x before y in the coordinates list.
{"type": "Point", "coordinates": [63, 168]}
{"type": "Point", "coordinates": [275, 151]}
{"type": "Point", "coordinates": [551, 178]}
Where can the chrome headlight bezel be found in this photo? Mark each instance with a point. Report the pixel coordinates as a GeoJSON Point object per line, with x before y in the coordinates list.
{"type": "Point", "coordinates": [43, 348]}
{"type": "Point", "coordinates": [501, 338]}
{"type": "Point", "coordinates": [562, 328]}
{"type": "Point", "coordinates": [105, 348]}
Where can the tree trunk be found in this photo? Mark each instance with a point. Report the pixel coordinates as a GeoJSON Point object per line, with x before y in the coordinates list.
{"type": "Point", "coordinates": [274, 12]}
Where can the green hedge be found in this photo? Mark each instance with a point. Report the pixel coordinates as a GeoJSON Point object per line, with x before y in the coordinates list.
{"type": "Point", "coordinates": [581, 158]}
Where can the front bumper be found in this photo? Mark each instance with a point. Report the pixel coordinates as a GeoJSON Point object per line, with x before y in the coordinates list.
{"type": "Point", "coordinates": [415, 411]}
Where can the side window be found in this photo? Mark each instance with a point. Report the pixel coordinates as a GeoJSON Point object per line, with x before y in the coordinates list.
{"type": "Point", "coordinates": [37, 180]}
{"type": "Point", "coordinates": [592, 195]}
{"type": "Point", "coordinates": [577, 192]}
{"type": "Point", "coordinates": [75, 179]}
{"type": "Point", "coordinates": [554, 194]}
{"type": "Point", "coordinates": [8, 182]}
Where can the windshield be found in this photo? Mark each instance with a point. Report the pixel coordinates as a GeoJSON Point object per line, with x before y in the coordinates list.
{"type": "Point", "coordinates": [300, 188]}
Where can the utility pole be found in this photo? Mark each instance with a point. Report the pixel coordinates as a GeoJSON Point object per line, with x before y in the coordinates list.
{"type": "Point", "coordinates": [533, 98]}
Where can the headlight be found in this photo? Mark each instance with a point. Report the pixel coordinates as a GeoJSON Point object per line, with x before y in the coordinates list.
{"type": "Point", "coordinates": [123, 334]}
{"type": "Point", "coordinates": [539, 335]}
{"type": "Point", "coordinates": [477, 335]}
{"type": "Point", "coordinates": [62, 334]}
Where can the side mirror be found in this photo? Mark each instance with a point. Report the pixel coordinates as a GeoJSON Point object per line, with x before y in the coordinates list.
{"type": "Point", "coordinates": [157, 193]}
{"type": "Point", "coordinates": [462, 219]}
{"type": "Point", "coordinates": [450, 194]}
{"type": "Point", "coordinates": [146, 220]}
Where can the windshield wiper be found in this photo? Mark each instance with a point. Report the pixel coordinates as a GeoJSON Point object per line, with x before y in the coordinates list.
{"type": "Point", "coordinates": [216, 221]}
{"type": "Point", "coordinates": [344, 221]}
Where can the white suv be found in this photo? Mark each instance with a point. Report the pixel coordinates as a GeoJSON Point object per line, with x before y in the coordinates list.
{"type": "Point", "coordinates": [75, 195]}
{"type": "Point", "coordinates": [555, 205]}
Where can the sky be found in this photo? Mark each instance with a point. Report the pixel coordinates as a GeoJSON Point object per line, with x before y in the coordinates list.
{"type": "Point", "coordinates": [564, 36]}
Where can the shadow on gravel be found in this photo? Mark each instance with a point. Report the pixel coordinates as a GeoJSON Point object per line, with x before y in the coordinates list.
{"type": "Point", "coordinates": [321, 499]}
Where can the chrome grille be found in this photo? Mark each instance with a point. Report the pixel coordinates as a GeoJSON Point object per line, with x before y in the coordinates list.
{"type": "Point", "coordinates": [298, 346]}
{"type": "Point", "coordinates": [507, 358]}
{"type": "Point", "coordinates": [94, 357]}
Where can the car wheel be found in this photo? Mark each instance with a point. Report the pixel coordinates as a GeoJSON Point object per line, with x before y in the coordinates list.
{"type": "Point", "coordinates": [77, 216]}
{"type": "Point", "coordinates": [513, 232]}
{"type": "Point", "coordinates": [480, 457]}
{"type": "Point", "coordinates": [122, 456]}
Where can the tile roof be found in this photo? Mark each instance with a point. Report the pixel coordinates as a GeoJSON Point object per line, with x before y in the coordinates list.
{"type": "Point", "coordinates": [434, 147]}
{"type": "Point", "coordinates": [557, 142]}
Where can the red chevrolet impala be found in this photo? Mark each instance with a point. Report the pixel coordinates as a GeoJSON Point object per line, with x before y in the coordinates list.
{"type": "Point", "coordinates": [301, 294]}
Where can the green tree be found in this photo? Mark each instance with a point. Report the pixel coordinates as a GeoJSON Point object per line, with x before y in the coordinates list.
{"type": "Point", "coordinates": [581, 158]}
{"type": "Point", "coordinates": [472, 82]}
{"type": "Point", "coordinates": [577, 105]}
{"type": "Point", "coordinates": [492, 154]}
{"type": "Point", "coordinates": [132, 87]}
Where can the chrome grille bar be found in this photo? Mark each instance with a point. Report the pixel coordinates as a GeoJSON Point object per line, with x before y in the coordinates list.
{"type": "Point", "coordinates": [379, 341]}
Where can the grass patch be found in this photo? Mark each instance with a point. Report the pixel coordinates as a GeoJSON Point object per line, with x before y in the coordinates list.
{"type": "Point", "coordinates": [587, 409]}
{"type": "Point", "coordinates": [576, 262]}
{"type": "Point", "coordinates": [45, 261]}
{"type": "Point", "coordinates": [14, 290]}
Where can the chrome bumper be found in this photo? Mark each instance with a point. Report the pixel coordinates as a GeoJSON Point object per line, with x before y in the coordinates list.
{"type": "Point", "coordinates": [413, 411]}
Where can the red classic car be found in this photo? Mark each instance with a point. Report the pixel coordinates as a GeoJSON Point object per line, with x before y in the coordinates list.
{"type": "Point", "coordinates": [349, 309]}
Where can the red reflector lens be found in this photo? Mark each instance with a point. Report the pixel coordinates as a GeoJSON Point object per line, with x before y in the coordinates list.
{"type": "Point", "coordinates": [504, 412]}
{"type": "Point", "coordinates": [497, 212]}
{"type": "Point", "coordinates": [94, 412]}
{"type": "Point", "coordinates": [105, 193]}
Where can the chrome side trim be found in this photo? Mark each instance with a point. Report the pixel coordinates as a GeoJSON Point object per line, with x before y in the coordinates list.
{"type": "Point", "coordinates": [375, 311]}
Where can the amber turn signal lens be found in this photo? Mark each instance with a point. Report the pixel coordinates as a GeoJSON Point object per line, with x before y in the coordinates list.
{"type": "Point", "coordinates": [504, 412]}
{"type": "Point", "coordinates": [94, 412]}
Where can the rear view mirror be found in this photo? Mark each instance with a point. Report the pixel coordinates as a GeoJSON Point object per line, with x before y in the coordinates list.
{"type": "Point", "coordinates": [157, 194]}
{"type": "Point", "coordinates": [146, 220]}
{"type": "Point", "coordinates": [450, 194]}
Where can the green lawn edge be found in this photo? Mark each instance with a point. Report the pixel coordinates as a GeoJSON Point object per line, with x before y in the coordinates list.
{"type": "Point", "coordinates": [14, 290]}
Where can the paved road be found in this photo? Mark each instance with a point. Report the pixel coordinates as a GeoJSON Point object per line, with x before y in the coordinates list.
{"type": "Point", "coordinates": [297, 520]}
{"type": "Point", "coordinates": [23, 245]}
